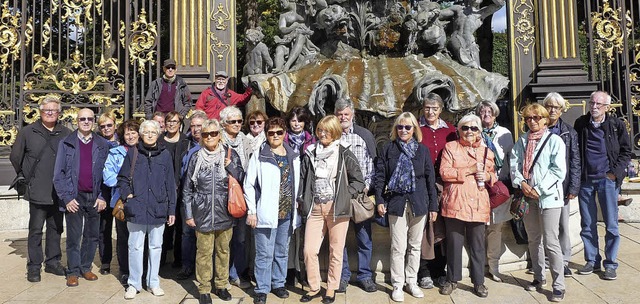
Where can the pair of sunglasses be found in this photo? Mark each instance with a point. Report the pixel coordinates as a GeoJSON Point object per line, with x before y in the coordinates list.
{"type": "Point", "coordinates": [256, 122]}
{"type": "Point", "coordinates": [106, 126]}
{"type": "Point", "coordinates": [272, 133]}
{"type": "Point", "coordinates": [83, 119]}
{"type": "Point", "coordinates": [210, 134]}
{"type": "Point", "coordinates": [467, 128]}
{"type": "Point", "coordinates": [233, 122]}
{"type": "Point", "coordinates": [406, 127]}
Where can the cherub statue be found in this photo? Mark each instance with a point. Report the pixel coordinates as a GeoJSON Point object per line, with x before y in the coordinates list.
{"type": "Point", "coordinates": [258, 59]}
{"type": "Point", "coordinates": [295, 45]}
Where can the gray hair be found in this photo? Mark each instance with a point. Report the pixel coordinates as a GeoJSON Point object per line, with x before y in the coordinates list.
{"type": "Point", "coordinates": [600, 93]}
{"type": "Point", "coordinates": [199, 114]}
{"type": "Point", "coordinates": [50, 99]}
{"type": "Point", "coordinates": [489, 104]}
{"type": "Point", "coordinates": [342, 104]}
{"type": "Point", "coordinates": [229, 111]}
{"type": "Point", "coordinates": [433, 98]}
{"type": "Point", "coordinates": [211, 123]}
{"type": "Point", "coordinates": [554, 98]}
{"type": "Point", "coordinates": [149, 124]}
{"type": "Point", "coordinates": [470, 118]}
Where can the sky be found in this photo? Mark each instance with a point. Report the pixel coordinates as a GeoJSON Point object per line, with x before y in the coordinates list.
{"type": "Point", "coordinates": [500, 20]}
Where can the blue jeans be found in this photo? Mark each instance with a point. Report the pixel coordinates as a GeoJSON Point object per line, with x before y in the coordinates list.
{"type": "Point", "coordinates": [608, 198]}
{"type": "Point", "coordinates": [188, 246]}
{"type": "Point", "coordinates": [238, 263]}
{"type": "Point", "coordinates": [79, 258]}
{"type": "Point", "coordinates": [272, 254]}
{"type": "Point", "coordinates": [365, 246]}
{"type": "Point", "coordinates": [137, 233]}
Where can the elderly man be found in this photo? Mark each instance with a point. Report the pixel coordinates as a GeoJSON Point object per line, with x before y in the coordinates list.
{"type": "Point", "coordinates": [33, 156]}
{"type": "Point", "coordinates": [555, 104]}
{"type": "Point", "coordinates": [218, 96]}
{"type": "Point", "coordinates": [362, 144]}
{"type": "Point", "coordinates": [168, 93]}
{"type": "Point", "coordinates": [77, 178]}
{"type": "Point", "coordinates": [605, 152]}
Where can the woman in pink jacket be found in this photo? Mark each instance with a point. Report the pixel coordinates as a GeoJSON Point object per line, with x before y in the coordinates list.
{"type": "Point", "coordinates": [466, 166]}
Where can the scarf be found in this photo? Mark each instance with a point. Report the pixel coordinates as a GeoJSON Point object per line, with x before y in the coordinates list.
{"type": "Point", "coordinates": [489, 134]}
{"type": "Point", "coordinates": [169, 80]}
{"type": "Point", "coordinates": [325, 169]}
{"type": "Point", "coordinates": [403, 179]}
{"type": "Point", "coordinates": [210, 161]}
{"type": "Point", "coordinates": [297, 141]}
{"type": "Point", "coordinates": [532, 141]}
{"type": "Point", "coordinates": [236, 144]}
{"type": "Point", "coordinates": [256, 141]}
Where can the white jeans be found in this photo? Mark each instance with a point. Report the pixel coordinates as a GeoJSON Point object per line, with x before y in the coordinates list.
{"type": "Point", "coordinates": [137, 233]}
{"type": "Point", "coordinates": [406, 237]}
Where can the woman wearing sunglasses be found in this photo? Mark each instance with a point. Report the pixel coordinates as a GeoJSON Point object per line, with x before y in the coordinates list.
{"type": "Point", "coordinates": [275, 168]}
{"type": "Point", "coordinates": [467, 165]}
{"type": "Point", "coordinates": [540, 179]}
{"type": "Point", "coordinates": [255, 123]}
{"type": "Point", "coordinates": [405, 189]}
{"type": "Point", "coordinates": [205, 192]}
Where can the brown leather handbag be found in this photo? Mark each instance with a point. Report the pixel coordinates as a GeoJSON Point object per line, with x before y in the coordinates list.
{"type": "Point", "coordinates": [236, 204]}
{"type": "Point", "coordinates": [118, 209]}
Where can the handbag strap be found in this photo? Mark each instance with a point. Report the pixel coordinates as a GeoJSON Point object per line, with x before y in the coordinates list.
{"type": "Point", "coordinates": [533, 163]}
{"type": "Point", "coordinates": [40, 154]}
{"type": "Point", "coordinates": [133, 165]}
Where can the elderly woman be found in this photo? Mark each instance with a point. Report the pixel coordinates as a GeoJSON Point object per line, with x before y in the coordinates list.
{"type": "Point", "coordinates": [255, 123]}
{"type": "Point", "coordinates": [466, 167]}
{"type": "Point", "coordinates": [538, 168]}
{"type": "Point", "coordinates": [272, 213]}
{"type": "Point", "coordinates": [331, 177]}
{"type": "Point", "coordinates": [107, 126]}
{"type": "Point", "coordinates": [555, 105]}
{"type": "Point", "coordinates": [205, 192]}
{"type": "Point", "coordinates": [150, 194]}
{"type": "Point", "coordinates": [405, 169]}
{"type": "Point", "coordinates": [159, 117]}
{"type": "Point", "coordinates": [500, 141]}
{"type": "Point", "coordinates": [128, 135]}
{"type": "Point", "coordinates": [231, 119]}
{"type": "Point", "coordinates": [298, 134]}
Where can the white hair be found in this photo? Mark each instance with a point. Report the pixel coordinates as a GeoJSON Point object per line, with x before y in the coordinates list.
{"type": "Point", "coordinates": [228, 112]}
{"type": "Point", "coordinates": [149, 124]}
{"type": "Point", "coordinates": [470, 118]}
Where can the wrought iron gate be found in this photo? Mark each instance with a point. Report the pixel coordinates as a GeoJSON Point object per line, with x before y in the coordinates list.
{"type": "Point", "coordinates": [100, 54]}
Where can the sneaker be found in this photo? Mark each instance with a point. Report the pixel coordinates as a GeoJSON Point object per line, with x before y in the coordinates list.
{"type": "Point", "coordinates": [242, 284]}
{"type": "Point", "coordinates": [56, 269]}
{"type": "Point", "coordinates": [130, 293]}
{"type": "Point", "coordinates": [205, 299]}
{"type": "Point", "coordinates": [415, 291]}
{"type": "Point", "coordinates": [557, 295]}
{"type": "Point", "coordinates": [280, 292]}
{"type": "Point", "coordinates": [368, 285]}
{"type": "Point", "coordinates": [448, 288]}
{"type": "Point", "coordinates": [529, 271]}
{"type": "Point", "coordinates": [609, 274]}
{"type": "Point", "coordinates": [260, 298]}
{"type": "Point", "coordinates": [588, 268]}
{"type": "Point", "coordinates": [342, 288]}
{"type": "Point", "coordinates": [481, 291]}
{"type": "Point", "coordinates": [426, 283]}
{"type": "Point", "coordinates": [223, 294]}
{"type": "Point", "coordinates": [156, 291]}
{"type": "Point", "coordinates": [567, 272]}
{"type": "Point", "coordinates": [184, 273]}
{"type": "Point", "coordinates": [397, 295]}
{"type": "Point", "coordinates": [33, 275]}
{"type": "Point", "coordinates": [536, 285]}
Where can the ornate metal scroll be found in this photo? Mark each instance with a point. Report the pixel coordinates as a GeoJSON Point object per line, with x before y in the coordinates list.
{"type": "Point", "coordinates": [220, 19]}
{"type": "Point", "coordinates": [141, 42]}
{"type": "Point", "coordinates": [524, 25]}
{"type": "Point", "coordinates": [79, 11]}
{"type": "Point", "coordinates": [11, 38]}
{"type": "Point", "coordinates": [607, 26]}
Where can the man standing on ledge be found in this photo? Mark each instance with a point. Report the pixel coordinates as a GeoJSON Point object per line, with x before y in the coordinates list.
{"type": "Point", "coordinates": [33, 156]}
{"type": "Point", "coordinates": [606, 151]}
{"type": "Point", "coordinates": [77, 178]}
{"type": "Point", "coordinates": [218, 97]}
{"type": "Point", "coordinates": [168, 93]}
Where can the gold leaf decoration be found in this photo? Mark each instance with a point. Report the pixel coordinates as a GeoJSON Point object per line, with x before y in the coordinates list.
{"type": "Point", "coordinates": [141, 42]}
{"type": "Point", "coordinates": [46, 32]}
{"type": "Point", "coordinates": [74, 9]}
{"type": "Point", "coordinates": [10, 35]}
{"type": "Point", "coordinates": [608, 29]}
{"type": "Point", "coordinates": [7, 136]}
{"type": "Point", "coordinates": [218, 48]}
{"type": "Point", "coordinates": [524, 25]}
{"type": "Point", "coordinates": [29, 114]}
{"type": "Point", "coordinates": [221, 17]}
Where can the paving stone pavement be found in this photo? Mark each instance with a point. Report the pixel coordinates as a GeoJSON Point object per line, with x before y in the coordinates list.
{"type": "Point", "coordinates": [592, 289]}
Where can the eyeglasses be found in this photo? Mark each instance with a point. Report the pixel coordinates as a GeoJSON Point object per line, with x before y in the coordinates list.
{"type": "Point", "coordinates": [534, 118]}
{"type": "Point", "coordinates": [106, 126]}
{"type": "Point", "coordinates": [550, 107]}
{"type": "Point", "coordinates": [322, 131]}
{"type": "Point", "coordinates": [195, 127]}
{"type": "Point", "coordinates": [273, 133]}
{"type": "Point", "coordinates": [147, 133]}
{"type": "Point", "coordinates": [406, 127]}
{"type": "Point", "coordinates": [233, 122]}
{"type": "Point", "coordinates": [47, 111]}
{"type": "Point", "coordinates": [170, 67]}
{"type": "Point", "coordinates": [431, 109]}
{"type": "Point", "coordinates": [221, 80]}
{"type": "Point", "coordinates": [255, 122]}
{"type": "Point", "coordinates": [597, 105]}
{"type": "Point", "coordinates": [172, 122]}
{"type": "Point", "coordinates": [210, 134]}
{"type": "Point", "coordinates": [83, 119]}
{"type": "Point", "coordinates": [472, 128]}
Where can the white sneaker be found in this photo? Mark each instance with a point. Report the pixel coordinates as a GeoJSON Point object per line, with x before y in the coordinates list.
{"type": "Point", "coordinates": [130, 293]}
{"type": "Point", "coordinates": [158, 292]}
{"type": "Point", "coordinates": [415, 291]}
{"type": "Point", "coordinates": [241, 283]}
{"type": "Point", "coordinates": [397, 294]}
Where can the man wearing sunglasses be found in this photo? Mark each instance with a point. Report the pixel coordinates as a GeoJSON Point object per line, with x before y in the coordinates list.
{"type": "Point", "coordinates": [168, 93]}
{"type": "Point", "coordinates": [77, 178]}
{"type": "Point", "coordinates": [218, 96]}
{"type": "Point", "coordinates": [33, 156]}
{"type": "Point", "coordinates": [605, 149]}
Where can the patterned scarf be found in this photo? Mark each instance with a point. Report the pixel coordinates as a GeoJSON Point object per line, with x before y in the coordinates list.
{"type": "Point", "coordinates": [403, 179]}
{"type": "Point", "coordinates": [489, 134]}
{"type": "Point", "coordinates": [297, 141]}
{"type": "Point", "coordinates": [532, 141]}
{"type": "Point", "coordinates": [209, 161]}
{"type": "Point", "coordinates": [237, 145]}
{"type": "Point", "coordinates": [324, 191]}
{"type": "Point", "coordinates": [256, 141]}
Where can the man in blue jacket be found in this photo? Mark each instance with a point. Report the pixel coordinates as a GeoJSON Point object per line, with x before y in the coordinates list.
{"type": "Point", "coordinates": [77, 178]}
{"type": "Point", "coordinates": [606, 150]}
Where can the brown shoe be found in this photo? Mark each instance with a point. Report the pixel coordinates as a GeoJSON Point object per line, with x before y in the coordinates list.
{"type": "Point", "coordinates": [89, 276]}
{"type": "Point", "coordinates": [72, 281]}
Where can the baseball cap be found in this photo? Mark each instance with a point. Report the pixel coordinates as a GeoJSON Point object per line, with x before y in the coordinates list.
{"type": "Point", "coordinates": [222, 74]}
{"type": "Point", "coordinates": [169, 62]}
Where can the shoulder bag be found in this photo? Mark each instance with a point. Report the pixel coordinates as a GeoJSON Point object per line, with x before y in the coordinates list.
{"type": "Point", "coordinates": [498, 192]}
{"type": "Point", "coordinates": [118, 209]}
{"type": "Point", "coordinates": [520, 205]}
{"type": "Point", "coordinates": [236, 204]}
{"type": "Point", "coordinates": [21, 182]}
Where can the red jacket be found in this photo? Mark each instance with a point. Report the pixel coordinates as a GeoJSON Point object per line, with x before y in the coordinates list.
{"type": "Point", "coordinates": [212, 103]}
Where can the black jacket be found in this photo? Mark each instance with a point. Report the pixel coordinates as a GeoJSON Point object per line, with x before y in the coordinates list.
{"type": "Point", "coordinates": [571, 183]}
{"type": "Point", "coordinates": [29, 142]}
{"type": "Point", "coordinates": [617, 141]}
{"type": "Point", "coordinates": [424, 199]}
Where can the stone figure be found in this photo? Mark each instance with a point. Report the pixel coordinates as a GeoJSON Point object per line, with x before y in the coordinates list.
{"type": "Point", "coordinates": [464, 21]}
{"type": "Point", "coordinates": [258, 59]}
{"type": "Point", "coordinates": [431, 34]}
{"type": "Point", "coordinates": [295, 45]}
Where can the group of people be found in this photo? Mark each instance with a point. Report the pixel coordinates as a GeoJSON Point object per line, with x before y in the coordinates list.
{"type": "Point", "coordinates": [429, 182]}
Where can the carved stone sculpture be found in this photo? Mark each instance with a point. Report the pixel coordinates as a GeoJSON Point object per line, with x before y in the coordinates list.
{"type": "Point", "coordinates": [295, 45]}
{"type": "Point", "coordinates": [258, 59]}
